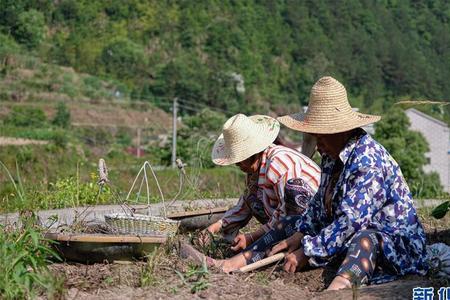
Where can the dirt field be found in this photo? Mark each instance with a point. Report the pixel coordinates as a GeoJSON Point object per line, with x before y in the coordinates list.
{"type": "Point", "coordinates": [105, 115]}
{"type": "Point", "coordinates": [8, 141]}
{"type": "Point", "coordinates": [168, 276]}
{"type": "Point", "coordinates": [118, 281]}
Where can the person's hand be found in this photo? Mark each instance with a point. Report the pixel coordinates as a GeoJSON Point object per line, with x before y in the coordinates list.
{"type": "Point", "coordinates": [295, 260]}
{"type": "Point", "coordinates": [241, 241]}
{"type": "Point", "coordinates": [290, 244]}
{"type": "Point", "coordinates": [215, 227]}
{"type": "Point", "coordinates": [204, 237]}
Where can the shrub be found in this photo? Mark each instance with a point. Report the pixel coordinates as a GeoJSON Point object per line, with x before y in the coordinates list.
{"type": "Point", "coordinates": [123, 58]}
{"type": "Point", "coordinates": [123, 138]}
{"type": "Point", "coordinates": [30, 29]}
{"type": "Point", "coordinates": [24, 256]}
{"type": "Point", "coordinates": [7, 45]}
{"type": "Point", "coordinates": [26, 116]}
{"type": "Point", "coordinates": [62, 117]}
{"type": "Point", "coordinates": [60, 138]}
{"type": "Point", "coordinates": [71, 192]}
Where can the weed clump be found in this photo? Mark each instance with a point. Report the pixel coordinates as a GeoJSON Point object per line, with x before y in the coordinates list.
{"type": "Point", "coordinates": [24, 258]}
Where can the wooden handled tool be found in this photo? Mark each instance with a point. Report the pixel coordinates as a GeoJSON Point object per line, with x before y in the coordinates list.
{"type": "Point", "coordinates": [261, 263]}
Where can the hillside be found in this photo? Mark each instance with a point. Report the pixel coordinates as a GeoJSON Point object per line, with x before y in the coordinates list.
{"type": "Point", "coordinates": [84, 75]}
{"type": "Point", "coordinates": [243, 55]}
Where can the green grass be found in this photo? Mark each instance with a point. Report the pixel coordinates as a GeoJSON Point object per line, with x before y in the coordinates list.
{"type": "Point", "coordinates": [55, 178]}
{"type": "Point", "coordinates": [196, 277]}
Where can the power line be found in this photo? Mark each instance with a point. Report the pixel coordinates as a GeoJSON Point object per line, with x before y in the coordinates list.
{"type": "Point", "coordinates": [205, 106]}
{"type": "Point", "coordinates": [169, 101]}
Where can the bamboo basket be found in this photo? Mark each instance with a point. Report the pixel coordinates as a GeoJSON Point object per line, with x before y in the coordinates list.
{"type": "Point", "coordinates": [130, 223]}
{"type": "Point", "coordinates": [142, 224]}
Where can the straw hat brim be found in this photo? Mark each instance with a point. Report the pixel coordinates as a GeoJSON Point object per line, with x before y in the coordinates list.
{"type": "Point", "coordinates": [299, 123]}
{"type": "Point", "coordinates": [265, 132]}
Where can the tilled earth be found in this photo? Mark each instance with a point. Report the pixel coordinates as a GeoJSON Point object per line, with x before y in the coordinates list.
{"type": "Point", "coordinates": [165, 275]}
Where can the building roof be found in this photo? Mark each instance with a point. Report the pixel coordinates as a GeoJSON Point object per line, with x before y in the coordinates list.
{"type": "Point", "coordinates": [430, 118]}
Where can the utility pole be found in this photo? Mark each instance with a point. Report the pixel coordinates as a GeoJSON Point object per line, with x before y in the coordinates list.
{"type": "Point", "coordinates": [138, 149]}
{"type": "Point", "coordinates": [174, 133]}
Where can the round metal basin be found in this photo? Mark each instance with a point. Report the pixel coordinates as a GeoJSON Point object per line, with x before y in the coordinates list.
{"type": "Point", "coordinates": [94, 248]}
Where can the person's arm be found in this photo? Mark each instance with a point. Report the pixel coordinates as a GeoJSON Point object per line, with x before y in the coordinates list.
{"type": "Point", "coordinates": [240, 213]}
{"type": "Point", "coordinates": [235, 217]}
{"type": "Point", "coordinates": [365, 195]}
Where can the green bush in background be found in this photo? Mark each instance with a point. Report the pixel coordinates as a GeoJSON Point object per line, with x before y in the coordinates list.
{"type": "Point", "coordinates": [408, 148]}
{"type": "Point", "coordinates": [62, 116]}
{"type": "Point", "coordinates": [30, 28]}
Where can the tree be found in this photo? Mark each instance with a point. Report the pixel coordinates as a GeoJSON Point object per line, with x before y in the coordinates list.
{"type": "Point", "coordinates": [30, 28]}
{"type": "Point", "coordinates": [124, 59]}
{"type": "Point", "coordinates": [408, 148]}
{"type": "Point", "coordinates": [195, 139]}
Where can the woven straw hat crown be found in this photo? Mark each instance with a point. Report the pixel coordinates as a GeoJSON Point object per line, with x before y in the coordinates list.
{"type": "Point", "coordinates": [328, 112]}
{"type": "Point", "coordinates": [244, 136]}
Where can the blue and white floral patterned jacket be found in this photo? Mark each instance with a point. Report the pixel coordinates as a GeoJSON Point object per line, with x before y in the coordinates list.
{"type": "Point", "coordinates": [371, 193]}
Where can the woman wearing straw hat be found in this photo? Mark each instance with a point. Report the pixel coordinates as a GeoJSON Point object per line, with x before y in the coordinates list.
{"type": "Point", "coordinates": [273, 171]}
{"type": "Point", "coordinates": [363, 210]}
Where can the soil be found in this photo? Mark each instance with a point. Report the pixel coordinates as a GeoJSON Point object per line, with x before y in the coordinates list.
{"type": "Point", "coordinates": [106, 115]}
{"type": "Point", "coordinates": [122, 281]}
{"type": "Point", "coordinates": [165, 275]}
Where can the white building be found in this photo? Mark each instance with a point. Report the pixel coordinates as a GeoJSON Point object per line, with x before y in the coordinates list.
{"type": "Point", "coordinates": [437, 135]}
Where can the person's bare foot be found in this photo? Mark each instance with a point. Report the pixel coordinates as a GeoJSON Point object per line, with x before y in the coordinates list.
{"type": "Point", "coordinates": [232, 264]}
{"type": "Point", "coordinates": [339, 283]}
{"type": "Point", "coordinates": [227, 266]}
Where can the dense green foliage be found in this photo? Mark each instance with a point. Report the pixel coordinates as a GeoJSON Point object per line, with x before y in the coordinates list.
{"type": "Point", "coordinates": [62, 117]}
{"type": "Point", "coordinates": [194, 140]}
{"type": "Point", "coordinates": [233, 56]}
{"type": "Point", "coordinates": [24, 256]}
{"type": "Point", "coordinates": [25, 116]}
{"type": "Point", "coordinates": [408, 148]}
{"type": "Point", "coordinates": [381, 50]}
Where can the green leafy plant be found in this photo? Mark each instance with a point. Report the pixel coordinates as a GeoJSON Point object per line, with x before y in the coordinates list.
{"type": "Point", "coordinates": [441, 210]}
{"type": "Point", "coordinates": [148, 272]}
{"type": "Point", "coordinates": [196, 277]}
{"type": "Point", "coordinates": [71, 192]}
{"type": "Point", "coordinates": [30, 28]}
{"type": "Point", "coordinates": [24, 256]}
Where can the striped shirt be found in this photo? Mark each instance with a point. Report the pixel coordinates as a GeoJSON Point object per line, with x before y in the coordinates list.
{"type": "Point", "coordinates": [278, 165]}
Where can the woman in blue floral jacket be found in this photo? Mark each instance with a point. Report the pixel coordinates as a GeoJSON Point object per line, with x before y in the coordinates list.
{"type": "Point", "coordinates": [363, 211]}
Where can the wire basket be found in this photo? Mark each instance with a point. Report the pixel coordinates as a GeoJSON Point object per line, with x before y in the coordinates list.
{"type": "Point", "coordinates": [130, 223]}
{"type": "Point", "coordinates": [142, 224]}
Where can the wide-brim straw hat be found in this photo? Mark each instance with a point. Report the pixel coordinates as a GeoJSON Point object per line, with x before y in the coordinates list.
{"type": "Point", "coordinates": [328, 111]}
{"type": "Point", "coordinates": [243, 136]}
